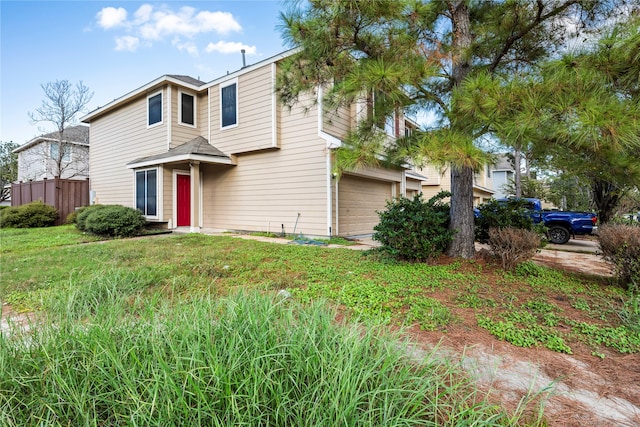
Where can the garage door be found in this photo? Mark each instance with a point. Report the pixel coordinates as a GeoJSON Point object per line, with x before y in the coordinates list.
{"type": "Point", "coordinates": [358, 201]}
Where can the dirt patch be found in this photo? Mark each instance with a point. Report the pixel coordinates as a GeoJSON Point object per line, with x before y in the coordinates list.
{"type": "Point", "coordinates": [577, 390]}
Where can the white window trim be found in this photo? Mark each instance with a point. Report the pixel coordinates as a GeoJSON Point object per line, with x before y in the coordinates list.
{"type": "Point", "coordinates": [158, 195]}
{"type": "Point", "coordinates": [222, 86]}
{"type": "Point", "coordinates": [161, 109]}
{"type": "Point", "coordinates": [195, 109]}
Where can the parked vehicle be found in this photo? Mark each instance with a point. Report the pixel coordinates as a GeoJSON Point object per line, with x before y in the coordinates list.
{"type": "Point", "coordinates": [561, 225]}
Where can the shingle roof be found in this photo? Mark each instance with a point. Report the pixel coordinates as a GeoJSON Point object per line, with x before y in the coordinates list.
{"type": "Point", "coordinates": [503, 164]}
{"type": "Point", "coordinates": [74, 134]}
{"type": "Point", "coordinates": [187, 79]}
{"type": "Point", "coordinates": [77, 133]}
{"type": "Point", "coordinates": [197, 146]}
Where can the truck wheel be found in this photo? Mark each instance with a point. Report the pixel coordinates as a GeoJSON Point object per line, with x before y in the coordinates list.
{"type": "Point", "coordinates": [558, 234]}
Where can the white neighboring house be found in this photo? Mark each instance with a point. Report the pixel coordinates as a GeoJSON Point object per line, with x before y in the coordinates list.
{"type": "Point", "coordinates": [502, 173]}
{"type": "Point", "coordinates": [37, 159]}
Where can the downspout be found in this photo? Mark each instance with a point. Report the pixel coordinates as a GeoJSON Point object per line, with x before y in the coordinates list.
{"type": "Point", "coordinates": [331, 143]}
{"type": "Point", "coordinates": [169, 118]}
{"type": "Point", "coordinates": [403, 184]}
{"type": "Point", "coordinates": [209, 115]}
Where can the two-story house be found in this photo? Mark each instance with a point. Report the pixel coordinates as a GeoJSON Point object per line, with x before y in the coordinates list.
{"type": "Point", "coordinates": [439, 179]}
{"type": "Point", "coordinates": [227, 156]}
{"type": "Point", "coordinates": [45, 157]}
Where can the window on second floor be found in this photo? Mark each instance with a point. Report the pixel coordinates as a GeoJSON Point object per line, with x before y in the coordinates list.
{"type": "Point", "coordinates": [229, 105]}
{"type": "Point", "coordinates": [154, 109]}
{"type": "Point", "coordinates": [187, 109]}
{"type": "Point", "coordinates": [54, 152]}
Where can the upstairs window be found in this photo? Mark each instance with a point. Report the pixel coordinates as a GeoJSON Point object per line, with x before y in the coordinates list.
{"type": "Point", "coordinates": [54, 152]}
{"type": "Point", "coordinates": [187, 109]}
{"type": "Point", "coordinates": [229, 105]}
{"type": "Point", "coordinates": [154, 109]}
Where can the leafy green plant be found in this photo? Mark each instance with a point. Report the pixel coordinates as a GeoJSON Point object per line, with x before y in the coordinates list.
{"type": "Point", "coordinates": [413, 230]}
{"type": "Point", "coordinates": [32, 215]}
{"type": "Point", "coordinates": [115, 221]}
{"type": "Point", "coordinates": [429, 313]}
{"type": "Point", "coordinates": [524, 336]}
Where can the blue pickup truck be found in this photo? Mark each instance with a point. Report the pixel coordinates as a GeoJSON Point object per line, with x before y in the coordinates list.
{"type": "Point", "coordinates": [561, 225]}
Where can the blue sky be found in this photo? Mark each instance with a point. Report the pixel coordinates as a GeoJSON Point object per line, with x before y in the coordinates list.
{"type": "Point", "coordinates": [115, 47]}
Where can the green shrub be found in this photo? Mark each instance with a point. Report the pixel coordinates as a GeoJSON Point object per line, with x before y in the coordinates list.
{"type": "Point", "coordinates": [31, 215]}
{"type": "Point", "coordinates": [620, 246]}
{"type": "Point", "coordinates": [114, 221]}
{"type": "Point", "coordinates": [513, 245]}
{"type": "Point", "coordinates": [500, 214]}
{"type": "Point", "coordinates": [413, 230]}
{"type": "Point", "coordinates": [83, 213]}
{"type": "Point", "coordinates": [72, 217]}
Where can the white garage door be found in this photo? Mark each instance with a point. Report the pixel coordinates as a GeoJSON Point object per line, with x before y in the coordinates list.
{"type": "Point", "coordinates": [358, 201]}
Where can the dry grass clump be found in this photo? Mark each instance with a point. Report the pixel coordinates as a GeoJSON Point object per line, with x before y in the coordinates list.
{"type": "Point", "coordinates": [620, 246]}
{"type": "Point", "coordinates": [513, 245]}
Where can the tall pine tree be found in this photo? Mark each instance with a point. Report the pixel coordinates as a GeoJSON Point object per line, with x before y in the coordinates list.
{"type": "Point", "coordinates": [413, 55]}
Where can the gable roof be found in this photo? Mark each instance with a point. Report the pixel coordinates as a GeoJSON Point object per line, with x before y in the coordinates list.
{"type": "Point", "coordinates": [197, 149]}
{"type": "Point", "coordinates": [503, 163]}
{"type": "Point", "coordinates": [187, 79]}
{"type": "Point", "coordinates": [74, 135]}
{"type": "Point", "coordinates": [180, 80]}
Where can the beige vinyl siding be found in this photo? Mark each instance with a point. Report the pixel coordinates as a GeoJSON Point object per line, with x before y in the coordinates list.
{"type": "Point", "coordinates": [167, 196]}
{"type": "Point", "coordinates": [337, 123]}
{"type": "Point", "coordinates": [202, 115]}
{"type": "Point", "coordinates": [413, 185]}
{"type": "Point", "coordinates": [254, 129]}
{"type": "Point", "coordinates": [358, 200]}
{"type": "Point", "coordinates": [437, 180]}
{"type": "Point", "coordinates": [181, 133]}
{"type": "Point", "coordinates": [117, 139]}
{"type": "Point", "coordinates": [269, 189]}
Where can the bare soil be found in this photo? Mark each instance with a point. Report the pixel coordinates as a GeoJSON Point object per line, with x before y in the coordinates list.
{"type": "Point", "coordinates": [577, 390]}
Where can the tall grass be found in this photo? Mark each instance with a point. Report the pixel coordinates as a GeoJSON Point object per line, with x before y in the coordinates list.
{"type": "Point", "coordinates": [105, 357]}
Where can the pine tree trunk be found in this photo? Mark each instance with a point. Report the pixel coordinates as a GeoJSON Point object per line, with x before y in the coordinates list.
{"type": "Point", "coordinates": [606, 197]}
{"type": "Point", "coordinates": [462, 218]}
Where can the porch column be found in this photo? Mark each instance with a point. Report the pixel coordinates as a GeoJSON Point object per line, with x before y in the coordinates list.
{"type": "Point", "coordinates": [194, 167]}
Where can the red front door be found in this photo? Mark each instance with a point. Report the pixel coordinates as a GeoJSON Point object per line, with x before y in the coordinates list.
{"type": "Point", "coordinates": [183, 200]}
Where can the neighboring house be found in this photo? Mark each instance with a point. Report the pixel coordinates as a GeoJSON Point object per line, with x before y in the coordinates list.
{"type": "Point", "coordinates": [502, 172]}
{"type": "Point", "coordinates": [439, 179]}
{"type": "Point", "coordinates": [226, 155]}
{"type": "Point", "coordinates": [38, 158]}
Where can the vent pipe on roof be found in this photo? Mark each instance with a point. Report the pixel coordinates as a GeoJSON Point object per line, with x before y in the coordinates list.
{"type": "Point", "coordinates": [244, 62]}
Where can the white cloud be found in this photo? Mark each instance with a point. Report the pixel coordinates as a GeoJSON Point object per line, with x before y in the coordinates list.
{"type": "Point", "coordinates": [230, 47]}
{"type": "Point", "coordinates": [127, 43]}
{"type": "Point", "coordinates": [187, 46]}
{"type": "Point", "coordinates": [143, 14]}
{"type": "Point", "coordinates": [110, 17]}
{"type": "Point", "coordinates": [155, 23]}
{"type": "Point", "coordinates": [220, 22]}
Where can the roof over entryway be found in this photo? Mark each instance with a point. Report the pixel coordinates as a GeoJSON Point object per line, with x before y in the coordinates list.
{"type": "Point", "coordinates": [197, 149]}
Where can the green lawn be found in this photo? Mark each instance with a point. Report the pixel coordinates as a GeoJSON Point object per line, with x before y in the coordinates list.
{"type": "Point", "coordinates": [157, 303]}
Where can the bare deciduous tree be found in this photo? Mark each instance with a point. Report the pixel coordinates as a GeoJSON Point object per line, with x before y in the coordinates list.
{"type": "Point", "coordinates": [62, 104]}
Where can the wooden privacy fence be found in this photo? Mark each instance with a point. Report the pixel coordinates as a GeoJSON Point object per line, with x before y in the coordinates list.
{"type": "Point", "coordinates": [63, 194]}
